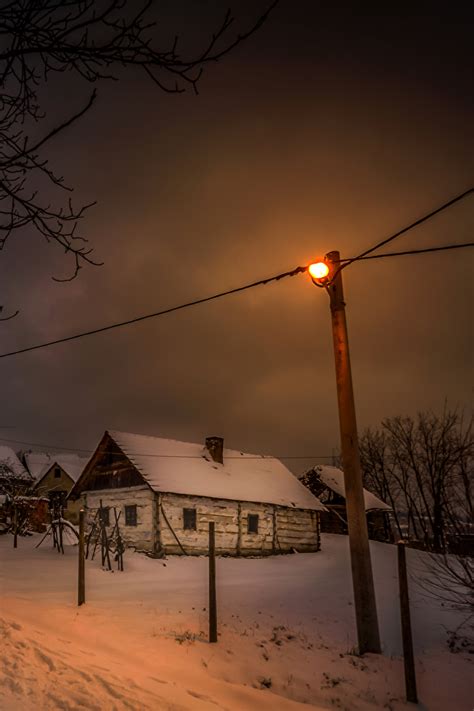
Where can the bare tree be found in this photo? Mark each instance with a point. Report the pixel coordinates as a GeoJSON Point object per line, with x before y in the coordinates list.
{"type": "Point", "coordinates": [16, 506]}
{"type": "Point", "coordinates": [91, 40]}
{"type": "Point", "coordinates": [452, 572]}
{"type": "Point", "coordinates": [423, 467]}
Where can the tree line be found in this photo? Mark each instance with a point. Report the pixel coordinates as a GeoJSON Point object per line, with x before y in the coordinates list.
{"type": "Point", "coordinates": [423, 467]}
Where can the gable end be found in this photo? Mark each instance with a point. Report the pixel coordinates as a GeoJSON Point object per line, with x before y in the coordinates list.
{"type": "Point", "coordinates": [109, 468]}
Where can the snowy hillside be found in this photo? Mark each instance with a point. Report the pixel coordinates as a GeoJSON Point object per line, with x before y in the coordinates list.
{"type": "Point", "coordinates": [286, 635]}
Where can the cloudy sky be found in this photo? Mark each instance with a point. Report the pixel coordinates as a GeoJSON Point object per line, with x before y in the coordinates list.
{"type": "Point", "coordinates": [330, 128]}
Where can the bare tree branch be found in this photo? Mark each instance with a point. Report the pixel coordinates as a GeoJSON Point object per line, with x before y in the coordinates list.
{"type": "Point", "coordinates": [93, 41]}
{"type": "Point", "coordinates": [425, 468]}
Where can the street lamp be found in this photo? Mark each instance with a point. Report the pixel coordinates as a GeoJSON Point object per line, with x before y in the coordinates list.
{"type": "Point", "coordinates": [318, 272]}
{"type": "Point", "coordinates": [327, 274]}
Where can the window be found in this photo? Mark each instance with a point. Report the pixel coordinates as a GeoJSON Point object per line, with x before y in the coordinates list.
{"type": "Point", "coordinates": [252, 523]}
{"type": "Point", "coordinates": [189, 519]}
{"type": "Point", "coordinates": [131, 515]}
{"type": "Point", "coordinates": [57, 473]}
{"type": "Point", "coordinates": [106, 515]}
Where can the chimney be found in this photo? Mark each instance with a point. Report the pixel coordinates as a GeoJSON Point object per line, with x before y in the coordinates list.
{"type": "Point", "coordinates": [215, 447]}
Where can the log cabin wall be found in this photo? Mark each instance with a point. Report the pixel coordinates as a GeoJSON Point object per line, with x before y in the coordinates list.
{"type": "Point", "coordinates": [334, 520]}
{"type": "Point", "coordinates": [379, 527]}
{"type": "Point", "coordinates": [160, 521]}
{"type": "Point", "coordinates": [378, 523]}
{"type": "Point", "coordinates": [141, 535]}
{"type": "Point", "coordinates": [297, 529]}
{"type": "Point", "coordinates": [280, 529]}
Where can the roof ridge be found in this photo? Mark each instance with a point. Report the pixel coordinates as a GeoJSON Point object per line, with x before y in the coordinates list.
{"type": "Point", "coordinates": [197, 444]}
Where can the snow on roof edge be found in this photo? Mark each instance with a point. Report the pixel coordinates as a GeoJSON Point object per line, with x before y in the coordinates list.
{"type": "Point", "coordinates": [266, 480]}
{"type": "Point", "coordinates": [9, 457]}
{"type": "Point", "coordinates": [39, 463]}
{"type": "Point", "coordinates": [333, 477]}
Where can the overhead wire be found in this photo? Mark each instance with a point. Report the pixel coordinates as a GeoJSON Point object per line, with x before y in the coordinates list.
{"type": "Point", "coordinates": [261, 282]}
{"type": "Point", "coordinates": [293, 272]}
{"type": "Point", "coordinates": [410, 252]}
{"type": "Point", "coordinates": [404, 230]}
{"type": "Point", "coordinates": [243, 456]}
{"type": "Point", "coordinates": [155, 314]}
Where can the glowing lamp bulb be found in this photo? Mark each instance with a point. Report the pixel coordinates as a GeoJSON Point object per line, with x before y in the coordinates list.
{"type": "Point", "coordinates": [318, 270]}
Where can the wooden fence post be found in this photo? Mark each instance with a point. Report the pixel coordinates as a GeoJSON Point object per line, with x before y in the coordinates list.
{"type": "Point", "coordinates": [212, 584]}
{"type": "Point", "coordinates": [81, 579]}
{"type": "Point", "coordinates": [407, 637]}
{"type": "Point", "coordinates": [15, 526]}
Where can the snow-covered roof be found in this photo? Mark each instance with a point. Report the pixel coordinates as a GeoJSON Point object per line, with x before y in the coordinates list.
{"type": "Point", "coordinates": [10, 459]}
{"type": "Point", "coordinates": [186, 468]}
{"type": "Point", "coordinates": [39, 463]}
{"type": "Point", "coordinates": [333, 478]}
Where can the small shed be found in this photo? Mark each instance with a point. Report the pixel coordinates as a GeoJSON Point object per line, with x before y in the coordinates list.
{"type": "Point", "coordinates": [167, 492]}
{"type": "Point", "coordinates": [54, 475]}
{"type": "Point", "coordinates": [327, 483]}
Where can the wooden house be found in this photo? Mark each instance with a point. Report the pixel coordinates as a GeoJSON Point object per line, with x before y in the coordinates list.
{"type": "Point", "coordinates": [54, 476]}
{"type": "Point", "coordinates": [167, 492]}
{"type": "Point", "coordinates": [327, 483]}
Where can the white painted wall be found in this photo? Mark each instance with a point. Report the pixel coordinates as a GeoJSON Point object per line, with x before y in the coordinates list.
{"type": "Point", "coordinates": [295, 529]}
{"type": "Point", "coordinates": [141, 536]}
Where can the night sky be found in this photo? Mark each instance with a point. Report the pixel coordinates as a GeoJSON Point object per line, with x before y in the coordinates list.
{"type": "Point", "coordinates": [330, 128]}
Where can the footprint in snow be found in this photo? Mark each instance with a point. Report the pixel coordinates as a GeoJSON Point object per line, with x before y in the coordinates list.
{"type": "Point", "coordinates": [201, 697]}
{"type": "Point", "coordinates": [45, 659]}
{"type": "Point", "coordinates": [109, 688]}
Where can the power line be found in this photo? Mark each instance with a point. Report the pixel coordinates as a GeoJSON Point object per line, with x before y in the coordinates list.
{"type": "Point", "coordinates": [277, 277]}
{"type": "Point", "coordinates": [293, 272]}
{"type": "Point", "coordinates": [426, 217]}
{"type": "Point", "coordinates": [410, 252]}
{"type": "Point", "coordinates": [75, 450]}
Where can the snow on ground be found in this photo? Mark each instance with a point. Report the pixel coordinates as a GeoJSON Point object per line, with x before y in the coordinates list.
{"type": "Point", "coordinates": [286, 635]}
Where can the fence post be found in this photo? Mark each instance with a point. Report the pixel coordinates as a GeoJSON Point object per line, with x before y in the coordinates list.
{"type": "Point", "coordinates": [212, 584]}
{"type": "Point", "coordinates": [81, 578]}
{"type": "Point", "coordinates": [15, 526]}
{"type": "Point", "coordinates": [407, 637]}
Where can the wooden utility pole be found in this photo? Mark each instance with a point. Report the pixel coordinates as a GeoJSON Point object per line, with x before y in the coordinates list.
{"type": "Point", "coordinates": [212, 584]}
{"type": "Point", "coordinates": [407, 638]}
{"type": "Point", "coordinates": [81, 578]}
{"type": "Point", "coordinates": [362, 579]}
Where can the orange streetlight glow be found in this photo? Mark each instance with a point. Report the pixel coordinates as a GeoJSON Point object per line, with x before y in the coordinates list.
{"type": "Point", "coordinates": [318, 270]}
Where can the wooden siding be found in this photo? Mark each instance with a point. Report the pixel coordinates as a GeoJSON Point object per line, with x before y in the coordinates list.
{"type": "Point", "coordinates": [378, 523]}
{"type": "Point", "coordinates": [160, 524]}
{"type": "Point", "coordinates": [379, 526]}
{"type": "Point", "coordinates": [280, 529]}
{"type": "Point", "coordinates": [141, 536]}
{"type": "Point", "coordinates": [109, 468]}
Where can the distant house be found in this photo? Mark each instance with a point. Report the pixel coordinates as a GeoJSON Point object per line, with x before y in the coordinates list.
{"type": "Point", "coordinates": [54, 476]}
{"type": "Point", "coordinates": [327, 483]}
{"type": "Point", "coordinates": [15, 505]}
{"type": "Point", "coordinates": [168, 491]}
{"type": "Point", "coordinates": [14, 478]}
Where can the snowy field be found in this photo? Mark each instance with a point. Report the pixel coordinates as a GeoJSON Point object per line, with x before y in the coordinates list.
{"type": "Point", "coordinates": [286, 635]}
